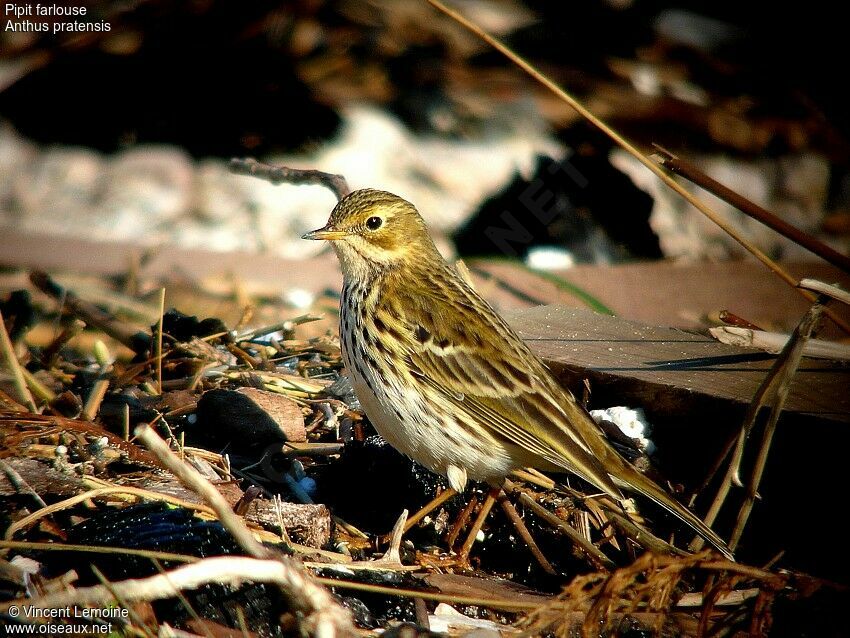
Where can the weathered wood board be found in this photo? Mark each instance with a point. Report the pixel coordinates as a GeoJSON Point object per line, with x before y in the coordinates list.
{"type": "Point", "coordinates": [670, 370]}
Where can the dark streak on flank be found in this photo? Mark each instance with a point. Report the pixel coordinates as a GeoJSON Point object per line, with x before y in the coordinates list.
{"type": "Point", "coordinates": [382, 348]}
{"type": "Point", "coordinates": [380, 326]}
{"type": "Point", "coordinates": [370, 361]}
{"type": "Point", "coordinates": [464, 375]}
{"type": "Point", "coordinates": [368, 339]}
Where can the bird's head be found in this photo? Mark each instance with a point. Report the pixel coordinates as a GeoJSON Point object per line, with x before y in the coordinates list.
{"type": "Point", "coordinates": [373, 230]}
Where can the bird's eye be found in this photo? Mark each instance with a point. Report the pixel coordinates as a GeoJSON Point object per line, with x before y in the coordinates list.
{"type": "Point", "coordinates": [374, 222]}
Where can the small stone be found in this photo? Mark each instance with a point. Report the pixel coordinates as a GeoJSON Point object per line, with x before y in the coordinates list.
{"type": "Point", "coordinates": [245, 421]}
{"type": "Point", "coordinates": [285, 412]}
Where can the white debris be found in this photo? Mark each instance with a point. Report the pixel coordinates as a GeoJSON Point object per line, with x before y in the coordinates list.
{"type": "Point", "coordinates": [549, 258]}
{"type": "Point", "coordinates": [631, 421]}
{"type": "Point", "coordinates": [448, 620]}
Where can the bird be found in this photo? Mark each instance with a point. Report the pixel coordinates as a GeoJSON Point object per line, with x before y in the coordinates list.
{"type": "Point", "coordinates": [445, 380]}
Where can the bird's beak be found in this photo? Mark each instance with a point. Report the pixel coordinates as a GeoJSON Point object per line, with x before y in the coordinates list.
{"type": "Point", "coordinates": [326, 234]}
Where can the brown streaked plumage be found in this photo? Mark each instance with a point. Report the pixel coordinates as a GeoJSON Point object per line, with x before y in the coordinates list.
{"type": "Point", "coordinates": [443, 378]}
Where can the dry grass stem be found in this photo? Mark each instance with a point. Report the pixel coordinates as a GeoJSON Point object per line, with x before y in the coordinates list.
{"type": "Point", "coordinates": [98, 549]}
{"type": "Point", "coordinates": [772, 392]}
{"type": "Point", "coordinates": [158, 354]}
{"type": "Point", "coordinates": [786, 368]}
{"type": "Point", "coordinates": [14, 367]}
{"type": "Point", "coordinates": [41, 391]}
{"type": "Point", "coordinates": [25, 522]}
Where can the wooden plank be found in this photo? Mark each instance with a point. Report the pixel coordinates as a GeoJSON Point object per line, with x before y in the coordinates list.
{"type": "Point", "coordinates": [681, 295]}
{"type": "Point", "coordinates": [668, 370]}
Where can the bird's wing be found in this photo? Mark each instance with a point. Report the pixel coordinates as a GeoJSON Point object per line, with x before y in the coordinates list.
{"type": "Point", "coordinates": [475, 362]}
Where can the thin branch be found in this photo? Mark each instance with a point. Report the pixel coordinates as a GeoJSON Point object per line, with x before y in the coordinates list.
{"type": "Point", "coordinates": [19, 483]}
{"type": "Point", "coordinates": [593, 553]}
{"type": "Point", "coordinates": [441, 498]}
{"type": "Point", "coordinates": [773, 342]}
{"type": "Point", "coordinates": [520, 527]}
{"type": "Point", "coordinates": [285, 175]}
{"type": "Point", "coordinates": [690, 172]}
{"type": "Point", "coordinates": [133, 452]}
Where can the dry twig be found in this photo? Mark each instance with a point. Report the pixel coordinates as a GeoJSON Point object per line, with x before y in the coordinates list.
{"type": "Point", "coordinates": [136, 340]}
{"type": "Point", "coordinates": [285, 175]}
{"type": "Point", "coordinates": [647, 588]}
{"type": "Point", "coordinates": [834, 292]}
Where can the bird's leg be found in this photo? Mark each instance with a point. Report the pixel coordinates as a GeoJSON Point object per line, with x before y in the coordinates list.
{"type": "Point", "coordinates": [520, 527]}
{"type": "Point", "coordinates": [466, 548]}
{"type": "Point", "coordinates": [429, 507]}
{"type": "Point", "coordinates": [461, 522]}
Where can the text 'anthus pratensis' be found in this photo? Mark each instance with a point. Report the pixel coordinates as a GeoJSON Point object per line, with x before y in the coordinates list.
{"type": "Point", "coordinates": [443, 378]}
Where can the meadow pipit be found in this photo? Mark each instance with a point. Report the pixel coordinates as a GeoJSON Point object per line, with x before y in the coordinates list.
{"type": "Point", "coordinates": [444, 379]}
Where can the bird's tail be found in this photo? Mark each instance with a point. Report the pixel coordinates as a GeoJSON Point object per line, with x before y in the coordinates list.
{"type": "Point", "coordinates": [631, 479]}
